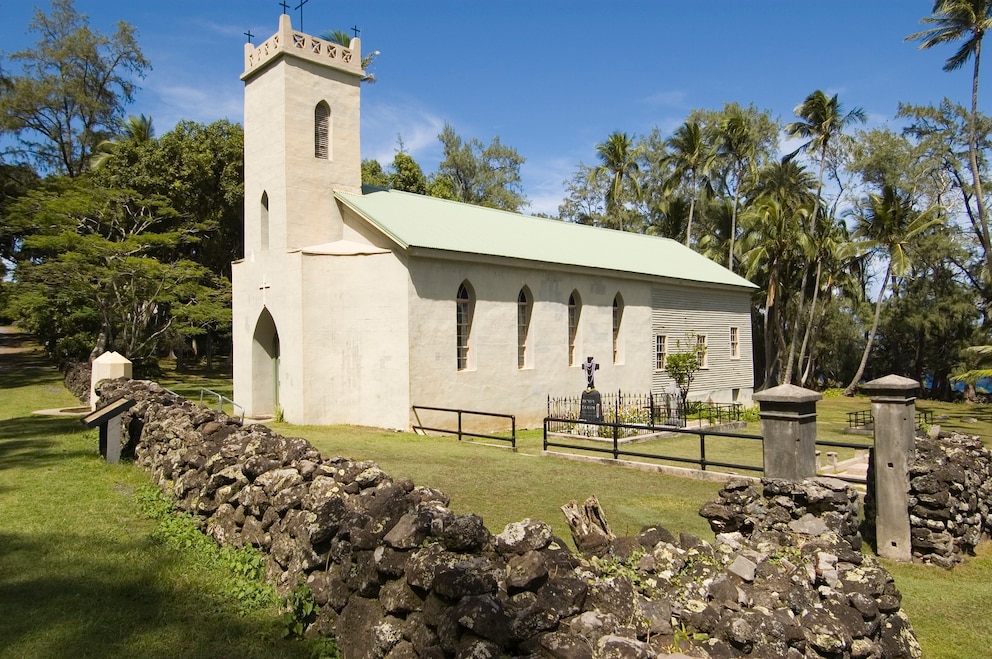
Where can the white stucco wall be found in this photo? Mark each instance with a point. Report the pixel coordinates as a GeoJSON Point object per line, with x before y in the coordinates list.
{"type": "Point", "coordinates": [354, 337]}
{"type": "Point", "coordinates": [271, 281]}
{"type": "Point", "coordinates": [493, 382]}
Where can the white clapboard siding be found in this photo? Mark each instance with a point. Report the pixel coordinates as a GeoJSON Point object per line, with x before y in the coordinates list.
{"type": "Point", "coordinates": [677, 312]}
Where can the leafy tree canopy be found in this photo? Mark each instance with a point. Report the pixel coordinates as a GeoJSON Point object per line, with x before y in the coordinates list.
{"type": "Point", "coordinates": [71, 89]}
{"type": "Point", "coordinates": [485, 175]}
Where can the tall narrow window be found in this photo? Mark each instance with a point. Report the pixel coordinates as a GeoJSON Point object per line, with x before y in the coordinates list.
{"type": "Point", "coordinates": [617, 315]}
{"type": "Point", "coordinates": [701, 350]}
{"type": "Point", "coordinates": [735, 343]}
{"type": "Point", "coordinates": [574, 309]}
{"type": "Point", "coordinates": [322, 130]}
{"type": "Point", "coordinates": [523, 326]}
{"type": "Point", "coordinates": [660, 351]}
{"type": "Point", "coordinates": [463, 324]}
{"type": "Point", "coordinates": [263, 224]}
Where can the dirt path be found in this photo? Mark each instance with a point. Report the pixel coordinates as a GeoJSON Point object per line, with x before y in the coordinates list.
{"type": "Point", "coordinates": [13, 340]}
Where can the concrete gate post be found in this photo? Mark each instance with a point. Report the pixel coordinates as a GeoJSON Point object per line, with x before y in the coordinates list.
{"type": "Point", "coordinates": [107, 366]}
{"type": "Point", "coordinates": [788, 425]}
{"type": "Point", "coordinates": [893, 404]}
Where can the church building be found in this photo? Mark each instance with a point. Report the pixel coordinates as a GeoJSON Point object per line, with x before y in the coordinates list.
{"type": "Point", "coordinates": [353, 305]}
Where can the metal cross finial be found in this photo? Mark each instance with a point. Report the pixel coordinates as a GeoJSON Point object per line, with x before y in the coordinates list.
{"type": "Point", "coordinates": [354, 28]}
{"type": "Point", "coordinates": [249, 35]}
{"type": "Point", "coordinates": [285, 7]}
{"type": "Point", "coordinates": [300, 7]}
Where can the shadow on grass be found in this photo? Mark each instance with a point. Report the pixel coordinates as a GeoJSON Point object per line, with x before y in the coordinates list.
{"type": "Point", "coordinates": [22, 369]}
{"type": "Point", "coordinates": [122, 600]}
{"type": "Point", "coordinates": [30, 441]}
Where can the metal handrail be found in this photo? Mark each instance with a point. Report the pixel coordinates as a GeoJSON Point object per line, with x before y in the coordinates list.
{"type": "Point", "coordinates": [460, 432]}
{"type": "Point", "coordinates": [221, 399]}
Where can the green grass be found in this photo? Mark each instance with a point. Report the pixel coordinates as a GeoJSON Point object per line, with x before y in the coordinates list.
{"type": "Point", "coordinates": [504, 487]}
{"type": "Point", "coordinates": [83, 572]}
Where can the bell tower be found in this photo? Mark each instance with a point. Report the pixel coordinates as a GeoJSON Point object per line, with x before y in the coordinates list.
{"type": "Point", "coordinates": [302, 108]}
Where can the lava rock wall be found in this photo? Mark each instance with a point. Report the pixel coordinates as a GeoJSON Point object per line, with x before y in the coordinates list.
{"type": "Point", "coordinates": [397, 574]}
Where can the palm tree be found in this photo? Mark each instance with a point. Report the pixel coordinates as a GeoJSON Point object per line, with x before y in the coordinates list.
{"type": "Point", "coordinates": [887, 224]}
{"type": "Point", "coordinates": [342, 38]}
{"type": "Point", "coordinates": [691, 157]}
{"type": "Point", "coordinates": [967, 20]}
{"type": "Point", "coordinates": [820, 120]}
{"type": "Point", "coordinates": [618, 158]}
{"type": "Point", "coordinates": [739, 147]}
{"type": "Point", "coordinates": [772, 239]}
{"type": "Point", "coordinates": [788, 182]}
{"type": "Point", "coordinates": [136, 129]}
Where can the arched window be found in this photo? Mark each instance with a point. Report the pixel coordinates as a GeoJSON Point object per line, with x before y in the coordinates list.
{"type": "Point", "coordinates": [322, 130]}
{"type": "Point", "coordinates": [264, 220]}
{"type": "Point", "coordinates": [523, 326]}
{"type": "Point", "coordinates": [617, 316]}
{"type": "Point", "coordinates": [463, 323]}
{"type": "Point", "coordinates": [574, 309]}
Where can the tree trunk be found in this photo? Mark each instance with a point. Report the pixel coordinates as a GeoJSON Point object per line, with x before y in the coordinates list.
{"type": "Point", "coordinates": [787, 378]}
{"type": "Point", "coordinates": [588, 525]}
{"type": "Point", "coordinates": [692, 208]}
{"type": "Point", "coordinates": [812, 318]}
{"type": "Point", "coordinates": [973, 157]}
{"type": "Point", "coordinates": [733, 228]}
{"type": "Point", "coordinates": [871, 335]}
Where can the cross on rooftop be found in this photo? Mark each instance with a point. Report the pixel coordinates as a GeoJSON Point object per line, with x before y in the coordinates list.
{"type": "Point", "coordinates": [300, 8]}
{"type": "Point", "coordinates": [354, 28]}
{"type": "Point", "coordinates": [249, 35]}
{"type": "Point", "coordinates": [285, 7]}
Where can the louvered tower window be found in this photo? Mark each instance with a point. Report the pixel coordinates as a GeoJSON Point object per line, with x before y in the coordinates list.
{"type": "Point", "coordinates": [322, 130]}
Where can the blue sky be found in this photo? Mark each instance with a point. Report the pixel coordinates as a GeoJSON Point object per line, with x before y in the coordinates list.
{"type": "Point", "coordinates": [551, 78]}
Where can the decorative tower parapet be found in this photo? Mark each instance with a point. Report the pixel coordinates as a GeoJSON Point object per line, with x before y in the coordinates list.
{"type": "Point", "coordinates": [297, 44]}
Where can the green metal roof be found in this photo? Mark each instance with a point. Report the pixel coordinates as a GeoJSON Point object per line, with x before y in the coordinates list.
{"type": "Point", "coordinates": [419, 221]}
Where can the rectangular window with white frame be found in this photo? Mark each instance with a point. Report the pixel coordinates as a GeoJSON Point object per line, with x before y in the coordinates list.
{"type": "Point", "coordinates": [660, 351]}
{"type": "Point", "coordinates": [735, 343]}
{"type": "Point", "coordinates": [701, 350]}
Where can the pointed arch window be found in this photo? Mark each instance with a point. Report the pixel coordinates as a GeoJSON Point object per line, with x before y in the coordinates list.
{"type": "Point", "coordinates": [574, 310]}
{"type": "Point", "coordinates": [264, 220]}
{"type": "Point", "coordinates": [322, 131]}
{"type": "Point", "coordinates": [524, 308]}
{"type": "Point", "coordinates": [464, 304]}
{"type": "Point", "coordinates": [617, 317]}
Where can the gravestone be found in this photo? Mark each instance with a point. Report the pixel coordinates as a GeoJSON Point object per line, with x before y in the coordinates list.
{"type": "Point", "coordinates": [591, 407]}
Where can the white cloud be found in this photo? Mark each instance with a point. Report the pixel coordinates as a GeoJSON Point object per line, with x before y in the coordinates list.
{"type": "Point", "coordinates": [202, 102]}
{"type": "Point", "coordinates": [674, 98]}
{"type": "Point", "coordinates": [544, 183]}
{"type": "Point", "coordinates": [416, 125]}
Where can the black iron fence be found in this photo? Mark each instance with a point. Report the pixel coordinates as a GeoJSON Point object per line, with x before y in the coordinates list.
{"type": "Point", "coordinates": [639, 413]}
{"type": "Point", "coordinates": [459, 428]}
{"type": "Point", "coordinates": [864, 418]}
{"type": "Point", "coordinates": [658, 450]}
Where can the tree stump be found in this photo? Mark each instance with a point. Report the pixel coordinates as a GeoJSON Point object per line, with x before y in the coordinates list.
{"type": "Point", "coordinates": [590, 530]}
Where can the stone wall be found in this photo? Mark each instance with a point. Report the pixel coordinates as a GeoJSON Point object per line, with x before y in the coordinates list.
{"type": "Point", "coordinates": [397, 574]}
{"type": "Point", "coordinates": [76, 376]}
{"type": "Point", "coordinates": [949, 499]}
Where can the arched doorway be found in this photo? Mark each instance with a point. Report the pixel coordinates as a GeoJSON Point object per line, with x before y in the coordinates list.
{"type": "Point", "coordinates": [265, 365]}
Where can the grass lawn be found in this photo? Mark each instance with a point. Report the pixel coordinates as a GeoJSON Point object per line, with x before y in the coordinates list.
{"type": "Point", "coordinates": [83, 573]}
